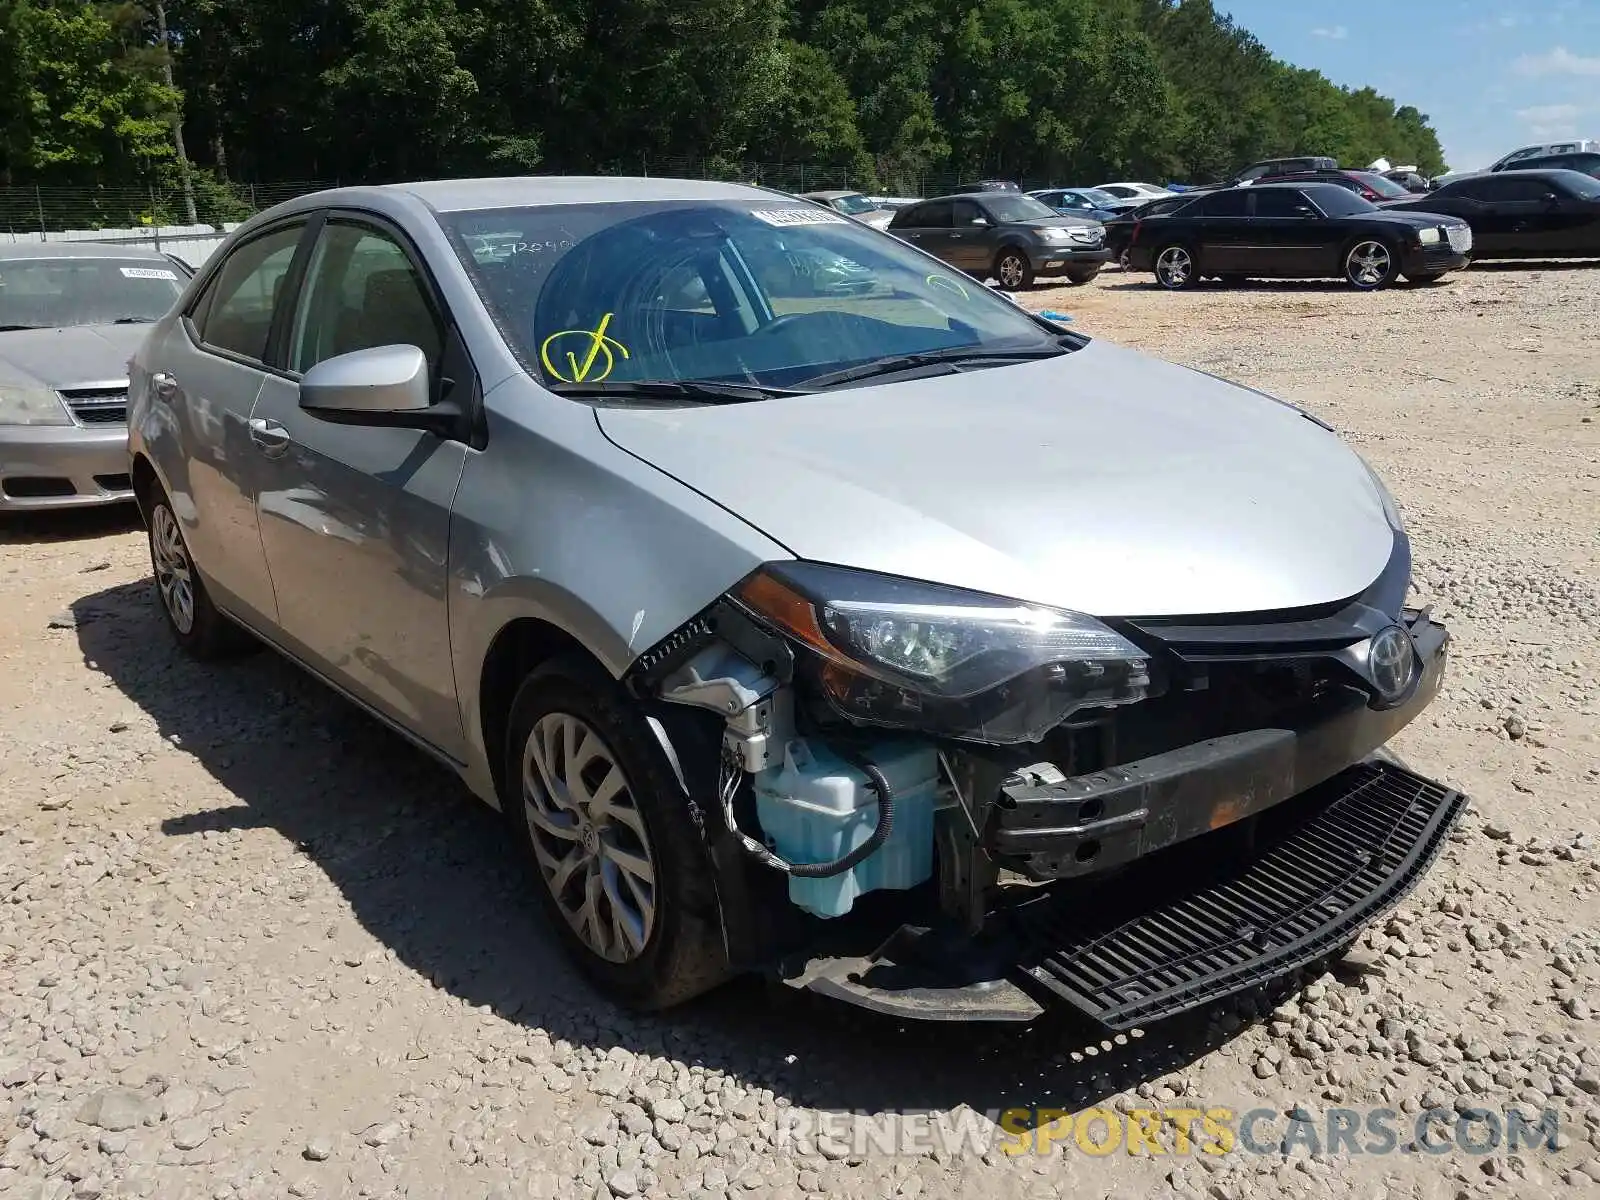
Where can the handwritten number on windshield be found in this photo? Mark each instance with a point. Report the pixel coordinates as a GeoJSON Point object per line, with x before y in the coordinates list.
{"type": "Point", "coordinates": [597, 351]}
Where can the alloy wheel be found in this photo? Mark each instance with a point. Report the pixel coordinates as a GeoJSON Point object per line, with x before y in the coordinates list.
{"type": "Point", "coordinates": [1367, 264]}
{"type": "Point", "coordinates": [1174, 267]}
{"type": "Point", "coordinates": [174, 573]}
{"type": "Point", "coordinates": [1012, 271]}
{"type": "Point", "coordinates": [589, 837]}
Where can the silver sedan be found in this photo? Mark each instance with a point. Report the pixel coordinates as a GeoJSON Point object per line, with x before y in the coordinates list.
{"type": "Point", "coordinates": [753, 562]}
{"type": "Point", "coordinates": [71, 315]}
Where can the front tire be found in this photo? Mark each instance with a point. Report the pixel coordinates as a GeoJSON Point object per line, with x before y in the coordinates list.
{"type": "Point", "coordinates": [200, 630]}
{"type": "Point", "coordinates": [1013, 271]}
{"type": "Point", "coordinates": [620, 867]}
{"type": "Point", "coordinates": [1370, 264]}
{"type": "Point", "coordinates": [1175, 267]}
{"type": "Point", "coordinates": [1425, 278]}
{"type": "Point", "coordinates": [1085, 275]}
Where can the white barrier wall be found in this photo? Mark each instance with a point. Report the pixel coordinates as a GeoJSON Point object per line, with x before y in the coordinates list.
{"type": "Point", "coordinates": [192, 243]}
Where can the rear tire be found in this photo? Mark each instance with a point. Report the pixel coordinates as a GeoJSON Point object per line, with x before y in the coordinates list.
{"type": "Point", "coordinates": [1013, 271]}
{"type": "Point", "coordinates": [619, 866]}
{"type": "Point", "coordinates": [1371, 263]}
{"type": "Point", "coordinates": [1176, 267]}
{"type": "Point", "coordinates": [200, 630]}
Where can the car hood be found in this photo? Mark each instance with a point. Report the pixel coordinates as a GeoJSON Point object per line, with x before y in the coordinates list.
{"type": "Point", "coordinates": [1415, 214]}
{"type": "Point", "coordinates": [1102, 481]}
{"type": "Point", "coordinates": [70, 356]}
{"type": "Point", "coordinates": [1063, 221]}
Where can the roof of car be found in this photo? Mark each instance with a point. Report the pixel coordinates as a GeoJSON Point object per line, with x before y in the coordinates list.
{"type": "Point", "coordinates": [527, 191]}
{"type": "Point", "coordinates": [16, 250]}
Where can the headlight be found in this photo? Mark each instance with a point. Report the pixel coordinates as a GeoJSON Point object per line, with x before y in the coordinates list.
{"type": "Point", "coordinates": [1429, 236]}
{"type": "Point", "coordinates": [951, 663]}
{"type": "Point", "coordinates": [31, 406]}
{"type": "Point", "coordinates": [1053, 234]}
{"type": "Point", "coordinates": [1391, 509]}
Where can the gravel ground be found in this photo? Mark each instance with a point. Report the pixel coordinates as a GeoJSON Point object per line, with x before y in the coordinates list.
{"type": "Point", "coordinates": [217, 978]}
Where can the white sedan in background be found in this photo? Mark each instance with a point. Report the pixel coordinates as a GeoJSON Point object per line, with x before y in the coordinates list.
{"type": "Point", "coordinates": [1136, 191]}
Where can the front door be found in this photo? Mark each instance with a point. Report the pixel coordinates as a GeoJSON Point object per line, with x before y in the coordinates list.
{"type": "Point", "coordinates": [1289, 238]}
{"type": "Point", "coordinates": [971, 240]}
{"type": "Point", "coordinates": [355, 518]}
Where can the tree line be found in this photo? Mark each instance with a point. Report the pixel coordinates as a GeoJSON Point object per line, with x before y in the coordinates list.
{"type": "Point", "coordinates": [883, 93]}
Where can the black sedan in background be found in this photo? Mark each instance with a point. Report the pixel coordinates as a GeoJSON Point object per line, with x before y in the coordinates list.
{"type": "Point", "coordinates": [1285, 231]}
{"type": "Point", "coordinates": [1005, 235]}
{"type": "Point", "coordinates": [1120, 228]}
{"type": "Point", "coordinates": [1521, 214]}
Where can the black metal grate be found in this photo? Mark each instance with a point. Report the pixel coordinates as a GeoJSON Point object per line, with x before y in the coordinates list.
{"type": "Point", "coordinates": [97, 406]}
{"type": "Point", "coordinates": [1368, 836]}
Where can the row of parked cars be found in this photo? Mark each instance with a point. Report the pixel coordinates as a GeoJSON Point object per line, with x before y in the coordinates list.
{"type": "Point", "coordinates": [1302, 217]}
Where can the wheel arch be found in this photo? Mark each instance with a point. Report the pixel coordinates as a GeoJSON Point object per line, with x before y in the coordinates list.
{"type": "Point", "coordinates": [521, 646]}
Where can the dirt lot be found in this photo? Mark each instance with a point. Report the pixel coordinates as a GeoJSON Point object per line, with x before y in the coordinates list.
{"type": "Point", "coordinates": [252, 945]}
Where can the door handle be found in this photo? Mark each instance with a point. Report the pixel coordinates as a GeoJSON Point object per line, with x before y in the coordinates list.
{"type": "Point", "coordinates": [270, 438]}
{"type": "Point", "coordinates": [164, 386]}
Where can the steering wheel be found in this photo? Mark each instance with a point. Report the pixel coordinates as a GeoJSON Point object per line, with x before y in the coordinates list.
{"type": "Point", "coordinates": [787, 321]}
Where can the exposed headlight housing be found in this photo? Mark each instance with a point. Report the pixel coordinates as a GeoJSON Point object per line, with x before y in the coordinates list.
{"type": "Point", "coordinates": [31, 406]}
{"type": "Point", "coordinates": [947, 662]}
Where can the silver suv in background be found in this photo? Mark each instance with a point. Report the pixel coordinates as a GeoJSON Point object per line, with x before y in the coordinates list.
{"type": "Point", "coordinates": [888, 639]}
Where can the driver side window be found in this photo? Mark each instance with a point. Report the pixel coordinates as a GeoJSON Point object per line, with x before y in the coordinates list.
{"type": "Point", "coordinates": [361, 291]}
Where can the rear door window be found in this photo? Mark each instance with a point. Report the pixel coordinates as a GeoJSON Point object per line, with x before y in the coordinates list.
{"type": "Point", "coordinates": [235, 314]}
{"type": "Point", "coordinates": [1225, 204]}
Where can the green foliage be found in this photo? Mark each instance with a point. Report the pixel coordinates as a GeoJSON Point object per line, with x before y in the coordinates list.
{"type": "Point", "coordinates": [903, 96]}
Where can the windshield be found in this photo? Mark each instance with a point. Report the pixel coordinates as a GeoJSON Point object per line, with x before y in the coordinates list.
{"type": "Point", "coordinates": [753, 292]}
{"type": "Point", "coordinates": [1098, 198]}
{"type": "Point", "coordinates": [1384, 186]}
{"type": "Point", "coordinates": [1336, 201]}
{"type": "Point", "coordinates": [1585, 187]}
{"type": "Point", "coordinates": [49, 293]}
{"type": "Point", "coordinates": [854, 205]}
{"type": "Point", "coordinates": [1011, 209]}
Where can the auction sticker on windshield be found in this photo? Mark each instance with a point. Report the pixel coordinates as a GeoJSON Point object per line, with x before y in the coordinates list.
{"type": "Point", "coordinates": [147, 273]}
{"type": "Point", "coordinates": [797, 216]}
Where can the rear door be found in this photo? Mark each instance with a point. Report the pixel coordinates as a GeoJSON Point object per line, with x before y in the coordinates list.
{"type": "Point", "coordinates": [1525, 218]}
{"type": "Point", "coordinates": [209, 372]}
{"type": "Point", "coordinates": [1222, 229]}
{"type": "Point", "coordinates": [928, 227]}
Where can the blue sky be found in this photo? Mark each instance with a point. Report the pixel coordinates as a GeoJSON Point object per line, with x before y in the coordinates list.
{"type": "Point", "coordinates": [1492, 75]}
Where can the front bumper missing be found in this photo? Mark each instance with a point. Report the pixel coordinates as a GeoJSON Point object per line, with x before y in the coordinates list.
{"type": "Point", "coordinates": [1178, 930]}
{"type": "Point", "coordinates": [1061, 828]}
{"type": "Point", "coordinates": [1177, 879]}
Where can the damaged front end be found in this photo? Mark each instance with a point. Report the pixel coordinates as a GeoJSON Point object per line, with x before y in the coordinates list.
{"type": "Point", "coordinates": [945, 805]}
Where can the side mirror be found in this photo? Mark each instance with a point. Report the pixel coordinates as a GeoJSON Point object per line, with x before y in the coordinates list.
{"type": "Point", "coordinates": [1304, 210]}
{"type": "Point", "coordinates": [385, 386]}
{"type": "Point", "coordinates": [384, 379]}
{"type": "Point", "coordinates": [1552, 198]}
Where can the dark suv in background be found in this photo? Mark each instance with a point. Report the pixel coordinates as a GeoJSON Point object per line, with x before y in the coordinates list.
{"type": "Point", "coordinates": [1269, 167]}
{"type": "Point", "coordinates": [1008, 236]}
